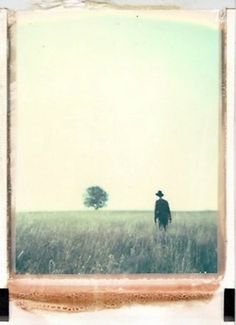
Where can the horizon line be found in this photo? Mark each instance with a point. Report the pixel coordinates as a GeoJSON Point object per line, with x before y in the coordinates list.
{"type": "Point", "coordinates": [114, 210]}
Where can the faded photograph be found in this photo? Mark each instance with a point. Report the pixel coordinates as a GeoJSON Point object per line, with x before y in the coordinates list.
{"type": "Point", "coordinates": [117, 130]}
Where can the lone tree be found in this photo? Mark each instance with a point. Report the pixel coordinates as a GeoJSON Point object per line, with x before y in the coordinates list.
{"type": "Point", "coordinates": [95, 197]}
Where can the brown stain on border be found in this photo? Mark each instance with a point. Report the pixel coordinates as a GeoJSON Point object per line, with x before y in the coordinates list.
{"type": "Point", "coordinates": [30, 292]}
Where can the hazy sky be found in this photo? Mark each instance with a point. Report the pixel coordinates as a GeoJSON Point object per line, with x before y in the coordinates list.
{"type": "Point", "coordinates": [125, 100]}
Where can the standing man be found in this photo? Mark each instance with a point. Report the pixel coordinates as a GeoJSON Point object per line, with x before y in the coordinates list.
{"type": "Point", "coordinates": [162, 211]}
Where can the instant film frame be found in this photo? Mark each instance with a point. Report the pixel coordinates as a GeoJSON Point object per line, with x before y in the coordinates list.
{"type": "Point", "coordinates": [135, 276]}
{"type": "Point", "coordinates": [108, 291]}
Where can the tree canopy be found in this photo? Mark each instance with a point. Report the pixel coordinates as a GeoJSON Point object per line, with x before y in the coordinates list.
{"type": "Point", "coordinates": [95, 197]}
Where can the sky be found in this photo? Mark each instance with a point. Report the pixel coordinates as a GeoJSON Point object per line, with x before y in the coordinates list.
{"type": "Point", "coordinates": [127, 100]}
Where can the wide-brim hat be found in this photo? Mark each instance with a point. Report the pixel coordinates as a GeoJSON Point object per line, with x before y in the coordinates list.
{"type": "Point", "coordinates": [159, 193]}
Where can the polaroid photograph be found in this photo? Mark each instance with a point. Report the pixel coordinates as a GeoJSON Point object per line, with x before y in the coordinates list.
{"type": "Point", "coordinates": [116, 156]}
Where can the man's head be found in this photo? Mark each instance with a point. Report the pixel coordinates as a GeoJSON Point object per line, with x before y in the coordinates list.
{"type": "Point", "coordinates": [159, 194]}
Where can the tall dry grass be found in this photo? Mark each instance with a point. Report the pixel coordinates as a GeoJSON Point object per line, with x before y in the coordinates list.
{"type": "Point", "coordinates": [115, 242]}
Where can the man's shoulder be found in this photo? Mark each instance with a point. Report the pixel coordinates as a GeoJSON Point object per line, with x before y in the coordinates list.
{"type": "Point", "coordinates": [162, 201]}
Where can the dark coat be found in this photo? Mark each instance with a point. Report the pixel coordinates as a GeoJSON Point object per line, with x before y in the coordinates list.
{"type": "Point", "coordinates": [162, 212]}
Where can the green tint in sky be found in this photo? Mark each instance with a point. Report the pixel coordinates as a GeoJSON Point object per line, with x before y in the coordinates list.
{"type": "Point", "coordinates": [128, 100]}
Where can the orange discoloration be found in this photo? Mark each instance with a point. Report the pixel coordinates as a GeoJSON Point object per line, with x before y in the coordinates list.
{"type": "Point", "coordinates": [71, 295]}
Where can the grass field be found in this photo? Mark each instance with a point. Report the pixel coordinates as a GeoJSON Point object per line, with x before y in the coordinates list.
{"type": "Point", "coordinates": [115, 242]}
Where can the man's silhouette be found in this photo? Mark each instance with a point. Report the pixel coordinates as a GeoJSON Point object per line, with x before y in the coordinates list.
{"type": "Point", "coordinates": [162, 211]}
